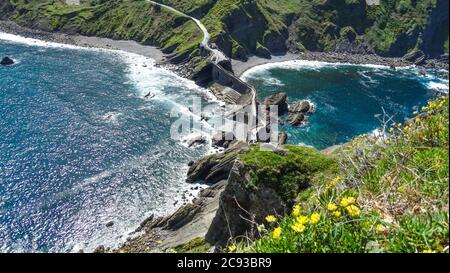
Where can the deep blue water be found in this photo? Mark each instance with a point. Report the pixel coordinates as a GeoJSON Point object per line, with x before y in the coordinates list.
{"type": "Point", "coordinates": [348, 98]}
{"type": "Point", "coordinates": [80, 146]}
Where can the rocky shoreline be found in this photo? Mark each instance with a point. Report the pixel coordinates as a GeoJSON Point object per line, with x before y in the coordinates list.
{"type": "Point", "coordinates": [240, 67]}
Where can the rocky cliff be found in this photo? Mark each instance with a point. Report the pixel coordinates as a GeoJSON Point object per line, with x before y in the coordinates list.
{"type": "Point", "coordinates": [237, 201]}
{"type": "Point", "coordinates": [242, 28]}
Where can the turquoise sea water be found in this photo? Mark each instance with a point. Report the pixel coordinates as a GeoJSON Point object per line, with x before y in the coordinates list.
{"type": "Point", "coordinates": [349, 99]}
{"type": "Point", "coordinates": [80, 146]}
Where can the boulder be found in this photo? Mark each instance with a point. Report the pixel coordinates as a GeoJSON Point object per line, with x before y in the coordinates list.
{"type": "Point", "coordinates": [279, 99]}
{"type": "Point", "coordinates": [296, 119]}
{"type": "Point", "coordinates": [414, 56]}
{"type": "Point", "coordinates": [100, 249]}
{"type": "Point", "coordinates": [301, 107]}
{"type": "Point", "coordinates": [6, 61]}
{"type": "Point", "coordinates": [196, 141]}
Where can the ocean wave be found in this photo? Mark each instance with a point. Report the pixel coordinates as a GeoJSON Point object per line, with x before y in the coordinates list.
{"type": "Point", "coordinates": [149, 80]}
{"type": "Point", "coordinates": [303, 64]}
{"type": "Point", "coordinates": [36, 42]}
{"type": "Point", "coordinates": [439, 86]}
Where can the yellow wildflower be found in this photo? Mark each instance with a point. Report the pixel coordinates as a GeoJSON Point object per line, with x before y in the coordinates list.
{"type": "Point", "coordinates": [296, 210]}
{"type": "Point", "coordinates": [337, 214]}
{"type": "Point", "coordinates": [271, 218]}
{"type": "Point", "coordinates": [335, 181]}
{"type": "Point", "coordinates": [415, 112]}
{"type": "Point", "coordinates": [232, 248]}
{"type": "Point", "coordinates": [353, 211]}
{"type": "Point", "coordinates": [299, 228]}
{"type": "Point", "coordinates": [380, 228]}
{"type": "Point", "coordinates": [332, 207]}
{"type": "Point", "coordinates": [315, 218]}
{"type": "Point", "coordinates": [347, 201]}
{"type": "Point", "coordinates": [428, 251]}
{"type": "Point", "coordinates": [388, 141]}
{"type": "Point", "coordinates": [391, 130]}
{"type": "Point", "coordinates": [276, 233]}
{"type": "Point", "coordinates": [303, 220]}
{"type": "Point", "coordinates": [424, 108]}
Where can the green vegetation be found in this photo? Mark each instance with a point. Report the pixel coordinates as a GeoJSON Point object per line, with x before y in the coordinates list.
{"type": "Point", "coordinates": [287, 174]}
{"type": "Point", "coordinates": [243, 27]}
{"type": "Point", "coordinates": [197, 245]}
{"type": "Point", "coordinates": [118, 19]}
{"type": "Point", "coordinates": [388, 195]}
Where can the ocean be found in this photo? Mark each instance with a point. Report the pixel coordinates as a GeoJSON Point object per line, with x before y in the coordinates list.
{"type": "Point", "coordinates": [82, 143]}
{"type": "Point", "coordinates": [350, 100]}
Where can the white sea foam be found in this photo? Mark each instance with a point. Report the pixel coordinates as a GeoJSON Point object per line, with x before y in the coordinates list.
{"type": "Point", "coordinates": [35, 42]}
{"type": "Point", "coordinates": [273, 81]}
{"type": "Point", "coordinates": [439, 86]}
{"type": "Point", "coordinates": [150, 81]}
{"type": "Point", "coordinates": [303, 64]}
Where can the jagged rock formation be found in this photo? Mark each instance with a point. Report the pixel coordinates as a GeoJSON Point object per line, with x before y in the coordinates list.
{"type": "Point", "coordinates": [241, 208]}
{"type": "Point", "coordinates": [215, 168]}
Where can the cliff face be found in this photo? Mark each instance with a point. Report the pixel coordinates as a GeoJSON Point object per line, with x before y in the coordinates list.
{"type": "Point", "coordinates": [436, 31]}
{"type": "Point", "coordinates": [5, 9]}
{"type": "Point", "coordinates": [242, 208]}
{"type": "Point", "coordinates": [247, 31]}
{"type": "Point", "coordinates": [389, 28]}
{"type": "Point", "coordinates": [251, 27]}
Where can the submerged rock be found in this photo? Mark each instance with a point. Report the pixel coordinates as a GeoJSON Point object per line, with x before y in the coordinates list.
{"type": "Point", "coordinates": [296, 119]}
{"type": "Point", "coordinates": [301, 107]}
{"type": "Point", "coordinates": [6, 61]}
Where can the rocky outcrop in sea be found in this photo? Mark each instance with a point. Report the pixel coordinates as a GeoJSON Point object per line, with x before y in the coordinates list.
{"type": "Point", "coordinates": [6, 61]}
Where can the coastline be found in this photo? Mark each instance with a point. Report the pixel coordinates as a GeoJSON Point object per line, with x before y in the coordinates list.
{"type": "Point", "coordinates": [85, 41]}
{"type": "Point", "coordinates": [240, 67]}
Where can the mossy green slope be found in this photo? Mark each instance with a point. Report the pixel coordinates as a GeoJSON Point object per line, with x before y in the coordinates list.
{"type": "Point", "coordinates": [244, 27]}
